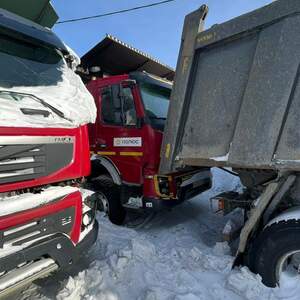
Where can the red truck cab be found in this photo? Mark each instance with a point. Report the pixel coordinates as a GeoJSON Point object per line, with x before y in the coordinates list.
{"type": "Point", "coordinates": [46, 219]}
{"type": "Point", "coordinates": [125, 143]}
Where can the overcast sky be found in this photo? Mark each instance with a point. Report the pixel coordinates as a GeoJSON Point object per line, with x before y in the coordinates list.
{"type": "Point", "coordinates": [155, 30]}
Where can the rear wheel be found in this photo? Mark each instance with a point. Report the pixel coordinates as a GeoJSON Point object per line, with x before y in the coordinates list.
{"type": "Point", "coordinates": [276, 252]}
{"type": "Point", "coordinates": [109, 198]}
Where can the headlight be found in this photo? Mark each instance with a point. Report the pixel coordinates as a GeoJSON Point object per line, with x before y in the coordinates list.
{"type": "Point", "coordinates": [87, 218]}
{"type": "Point", "coordinates": [162, 185]}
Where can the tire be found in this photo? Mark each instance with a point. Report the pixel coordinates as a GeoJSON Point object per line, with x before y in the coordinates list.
{"type": "Point", "coordinates": [271, 246]}
{"type": "Point", "coordinates": [109, 192]}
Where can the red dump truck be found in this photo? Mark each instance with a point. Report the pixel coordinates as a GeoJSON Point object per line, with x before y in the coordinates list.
{"type": "Point", "coordinates": [46, 220]}
{"type": "Point", "coordinates": [125, 140]}
{"type": "Point", "coordinates": [235, 104]}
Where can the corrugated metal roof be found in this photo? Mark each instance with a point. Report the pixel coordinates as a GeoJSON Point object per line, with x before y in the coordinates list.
{"type": "Point", "coordinates": [115, 57]}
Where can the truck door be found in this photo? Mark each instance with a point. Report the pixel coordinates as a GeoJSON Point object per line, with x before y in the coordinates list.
{"type": "Point", "coordinates": [119, 133]}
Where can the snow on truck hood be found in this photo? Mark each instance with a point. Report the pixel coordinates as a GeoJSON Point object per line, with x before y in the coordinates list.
{"type": "Point", "coordinates": [69, 95]}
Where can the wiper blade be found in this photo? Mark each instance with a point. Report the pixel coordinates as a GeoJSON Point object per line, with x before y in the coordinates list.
{"type": "Point", "coordinates": [43, 102]}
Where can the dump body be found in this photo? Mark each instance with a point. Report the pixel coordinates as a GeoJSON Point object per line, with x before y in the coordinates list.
{"type": "Point", "coordinates": [236, 96]}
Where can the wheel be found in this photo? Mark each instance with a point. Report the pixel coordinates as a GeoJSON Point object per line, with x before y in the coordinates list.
{"type": "Point", "coordinates": [109, 198]}
{"type": "Point", "coordinates": [276, 252]}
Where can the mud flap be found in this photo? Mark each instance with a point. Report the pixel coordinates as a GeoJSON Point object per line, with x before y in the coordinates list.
{"type": "Point", "coordinates": [255, 215]}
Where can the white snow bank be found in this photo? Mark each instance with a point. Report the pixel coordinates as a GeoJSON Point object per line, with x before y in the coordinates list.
{"type": "Point", "coordinates": [247, 285]}
{"type": "Point", "coordinates": [70, 96]}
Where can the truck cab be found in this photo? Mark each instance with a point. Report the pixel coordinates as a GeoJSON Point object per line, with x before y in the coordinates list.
{"type": "Point", "coordinates": [126, 142]}
{"type": "Point", "coordinates": [46, 220]}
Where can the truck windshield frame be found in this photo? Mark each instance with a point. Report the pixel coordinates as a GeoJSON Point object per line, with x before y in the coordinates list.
{"type": "Point", "coordinates": [156, 100]}
{"type": "Point", "coordinates": [28, 64]}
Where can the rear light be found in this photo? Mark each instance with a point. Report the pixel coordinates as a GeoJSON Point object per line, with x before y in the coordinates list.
{"type": "Point", "coordinates": [225, 203]}
{"type": "Point", "coordinates": [217, 205]}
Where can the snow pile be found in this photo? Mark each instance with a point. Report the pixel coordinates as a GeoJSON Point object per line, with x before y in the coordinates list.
{"type": "Point", "coordinates": [19, 203]}
{"type": "Point", "coordinates": [70, 96]}
{"type": "Point", "coordinates": [176, 255]}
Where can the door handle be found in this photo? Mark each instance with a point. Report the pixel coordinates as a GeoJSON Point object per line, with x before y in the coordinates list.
{"type": "Point", "coordinates": [102, 146]}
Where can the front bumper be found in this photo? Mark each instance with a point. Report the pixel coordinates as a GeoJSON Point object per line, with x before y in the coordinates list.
{"type": "Point", "coordinates": [195, 185]}
{"type": "Point", "coordinates": [59, 247]}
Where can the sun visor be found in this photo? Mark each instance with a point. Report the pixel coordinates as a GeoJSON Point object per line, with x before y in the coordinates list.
{"type": "Point", "coordinates": [25, 28]}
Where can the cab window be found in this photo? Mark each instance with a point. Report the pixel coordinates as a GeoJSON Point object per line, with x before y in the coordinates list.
{"type": "Point", "coordinates": [115, 112]}
{"type": "Point", "coordinates": [110, 113]}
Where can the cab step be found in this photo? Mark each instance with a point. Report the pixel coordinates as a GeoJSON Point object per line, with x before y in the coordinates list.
{"type": "Point", "coordinates": [134, 203]}
{"type": "Point", "coordinates": [130, 206]}
{"type": "Point", "coordinates": [22, 276]}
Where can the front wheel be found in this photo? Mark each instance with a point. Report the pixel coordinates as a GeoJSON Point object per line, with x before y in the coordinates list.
{"type": "Point", "coordinates": [276, 252]}
{"type": "Point", "coordinates": [109, 199]}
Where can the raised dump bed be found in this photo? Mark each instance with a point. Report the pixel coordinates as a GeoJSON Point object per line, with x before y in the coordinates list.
{"type": "Point", "coordinates": [236, 99]}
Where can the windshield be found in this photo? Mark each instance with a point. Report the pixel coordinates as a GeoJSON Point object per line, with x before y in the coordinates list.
{"type": "Point", "coordinates": [28, 65]}
{"type": "Point", "coordinates": [39, 89]}
{"type": "Point", "coordinates": [156, 101]}
{"type": "Point", "coordinates": [25, 64]}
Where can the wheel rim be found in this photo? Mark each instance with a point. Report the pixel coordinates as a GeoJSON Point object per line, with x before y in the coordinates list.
{"type": "Point", "coordinates": [288, 264]}
{"type": "Point", "coordinates": [104, 202]}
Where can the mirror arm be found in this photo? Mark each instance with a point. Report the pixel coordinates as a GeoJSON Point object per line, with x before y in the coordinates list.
{"type": "Point", "coordinates": [140, 122]}
{"type": "Point", "coordinates": [121, 97]}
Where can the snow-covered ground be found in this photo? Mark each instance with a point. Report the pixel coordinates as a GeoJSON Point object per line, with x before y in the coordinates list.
{"type": "Point", "coordinates": [173, 255]}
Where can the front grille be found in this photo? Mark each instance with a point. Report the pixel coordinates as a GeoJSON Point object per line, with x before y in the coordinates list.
{"type": "Point", "coordinates": [30, 157]}
{"type": "Point", "coordinates": [21, 162]}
